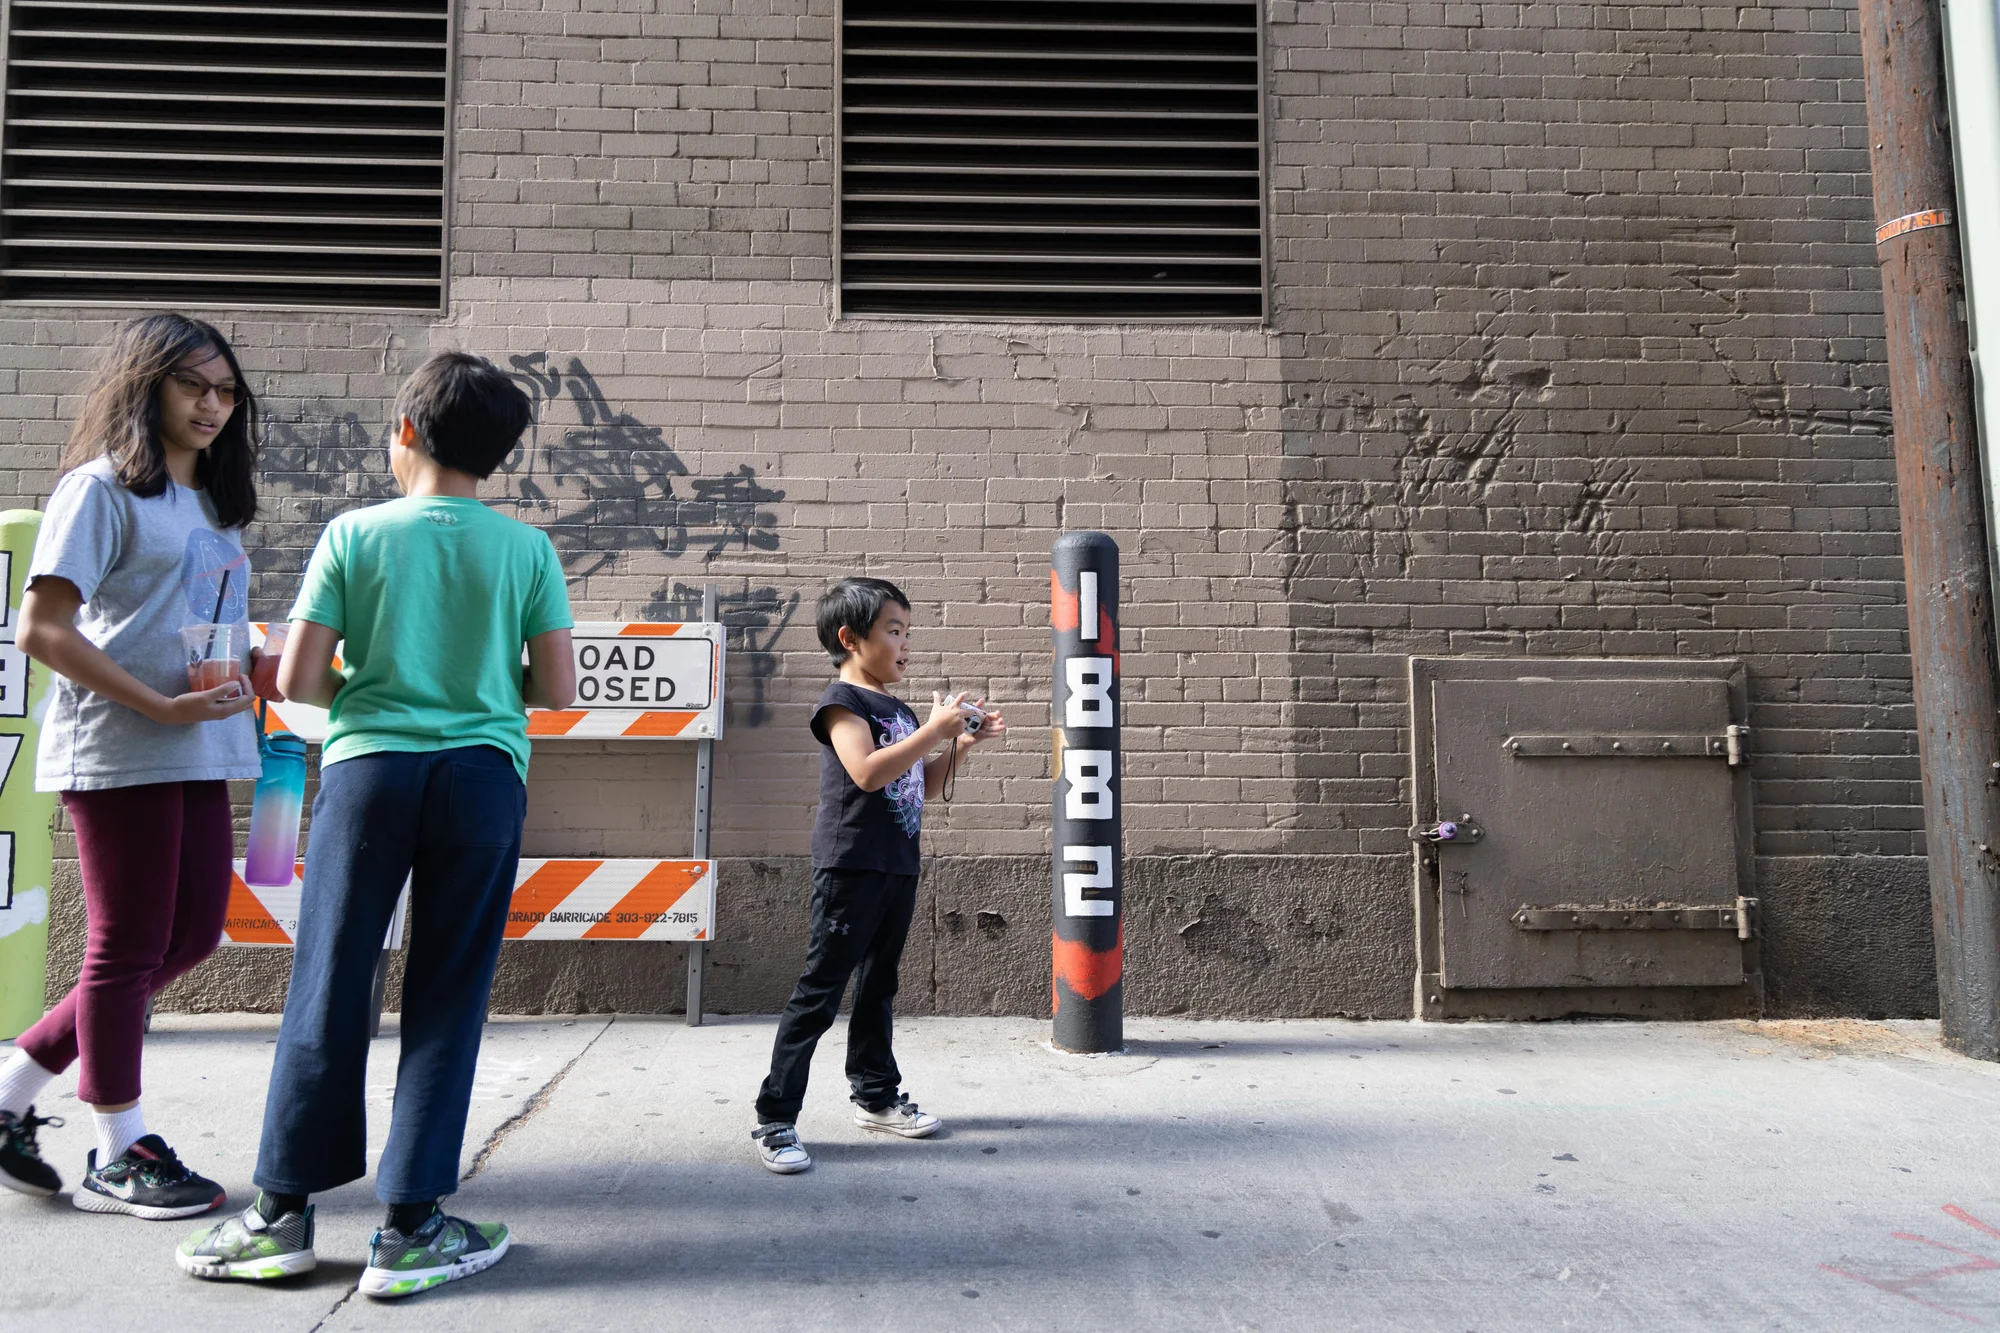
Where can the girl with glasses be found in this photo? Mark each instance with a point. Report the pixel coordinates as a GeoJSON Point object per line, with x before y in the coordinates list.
{"type": "Point", "coordinates": [142, 540]}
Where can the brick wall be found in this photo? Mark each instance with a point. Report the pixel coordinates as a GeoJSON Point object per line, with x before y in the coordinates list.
{"type": "Point", "coordinates": [1575, 350]}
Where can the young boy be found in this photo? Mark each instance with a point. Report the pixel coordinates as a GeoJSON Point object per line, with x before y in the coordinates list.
{"type": "Point", "coordinates": [873, 781]}
{"type": "Point", "coordinates": [423, 776]}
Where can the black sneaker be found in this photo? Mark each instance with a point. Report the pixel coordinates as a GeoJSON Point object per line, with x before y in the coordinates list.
{"type": "Point", "coordinates": [21, 1164]}
{"type": "Point", "coordinates": [149, 1182]}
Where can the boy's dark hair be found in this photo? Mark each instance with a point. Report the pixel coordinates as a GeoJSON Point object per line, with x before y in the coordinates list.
{"type": "Point", "coordinates": [854, 604]}
{"type": "Point", "coordinates": [469, 415]}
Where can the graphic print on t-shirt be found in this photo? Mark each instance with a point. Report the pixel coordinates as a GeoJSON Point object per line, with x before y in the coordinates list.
{"type": "Point", "coordinates": [906, 794]}
{"type": "Point", "coordinates": [208, 557]}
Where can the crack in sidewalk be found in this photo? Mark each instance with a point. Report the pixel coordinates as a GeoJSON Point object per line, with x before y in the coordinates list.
{"type": "Point", "coordinates": [338, 1306]}
{"type": "Point", "coordinates": [492, 1145]}
{"type": "Point", "coordinates": [532, 1109]}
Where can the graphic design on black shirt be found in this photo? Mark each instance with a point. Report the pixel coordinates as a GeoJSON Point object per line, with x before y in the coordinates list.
{"type": "Point", "coordinates": [906, 794]}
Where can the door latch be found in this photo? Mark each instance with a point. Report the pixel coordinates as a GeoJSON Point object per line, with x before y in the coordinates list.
{"type": "Point", "coordinates": [1456, 831]}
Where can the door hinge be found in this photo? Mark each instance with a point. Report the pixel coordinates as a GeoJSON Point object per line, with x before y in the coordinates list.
{"type": "Point", "coordinates": [1670, 916]}
{"type": "Point", "coordinates": [1731, 745]}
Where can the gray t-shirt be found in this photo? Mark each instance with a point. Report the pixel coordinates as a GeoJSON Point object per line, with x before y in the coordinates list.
{"type": "Point", "coordinates": [146, 569]}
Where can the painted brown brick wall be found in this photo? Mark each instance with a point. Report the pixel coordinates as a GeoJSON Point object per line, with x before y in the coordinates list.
{"type": "Point", "coordinates": [1575, 350]}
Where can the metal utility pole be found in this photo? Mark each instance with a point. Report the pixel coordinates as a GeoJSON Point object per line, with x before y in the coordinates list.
{"type": "Point", "coordinates": [1945, 561]}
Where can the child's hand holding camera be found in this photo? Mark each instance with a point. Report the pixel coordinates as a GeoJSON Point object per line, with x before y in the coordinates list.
{"type": "Point", "coordinates": [981, 724]}
{"type": "Point", "coordinates": [963, 720]}
{"type": "Point", "coordinates": [948, 713]}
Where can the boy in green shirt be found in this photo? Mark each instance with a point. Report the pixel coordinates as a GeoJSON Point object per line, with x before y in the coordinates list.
{"type": "Point", "coordinates": [423, 776]}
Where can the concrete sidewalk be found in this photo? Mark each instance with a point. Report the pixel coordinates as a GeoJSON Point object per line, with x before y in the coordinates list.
{"type": "Point", "coordinates": [1297, 1175]}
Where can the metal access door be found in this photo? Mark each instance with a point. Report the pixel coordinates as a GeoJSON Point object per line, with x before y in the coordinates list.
{"type": "Point", "coordinates": [1598, 834]}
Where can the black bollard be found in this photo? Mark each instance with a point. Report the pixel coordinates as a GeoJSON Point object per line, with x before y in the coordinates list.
{"type": "Point", "coordinates": [1089, 829]}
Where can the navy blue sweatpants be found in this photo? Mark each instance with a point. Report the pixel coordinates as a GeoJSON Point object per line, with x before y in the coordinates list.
{"type": "Point", "coordinates": [450, 820]}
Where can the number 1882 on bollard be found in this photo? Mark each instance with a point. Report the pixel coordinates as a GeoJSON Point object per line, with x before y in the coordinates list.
{"type": "Point", "coordinates": [1089, 996]}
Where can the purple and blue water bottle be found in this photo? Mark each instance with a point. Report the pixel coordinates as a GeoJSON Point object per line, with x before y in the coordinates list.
{"type": "Point", "coordinates": [275, 810]}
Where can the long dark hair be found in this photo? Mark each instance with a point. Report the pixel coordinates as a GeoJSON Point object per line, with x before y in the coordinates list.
{"type": "Point", "coordinates": [121, 417]}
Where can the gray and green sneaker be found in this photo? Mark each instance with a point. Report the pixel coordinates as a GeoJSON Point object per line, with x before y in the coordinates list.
{"type": "Point", "coordinates": [444, 1249]}
{"type": "Point", "coordinates": [249, 1248]}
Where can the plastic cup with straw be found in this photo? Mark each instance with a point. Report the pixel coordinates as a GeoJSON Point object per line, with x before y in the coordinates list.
{"type": "Point", "coordinates": [214, 650]}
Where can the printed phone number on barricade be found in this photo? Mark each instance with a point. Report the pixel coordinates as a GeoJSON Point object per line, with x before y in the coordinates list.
{"type": "Point", "coordinates": [595, 918]}
{"type": "Point", "coordinates": [620, 671]}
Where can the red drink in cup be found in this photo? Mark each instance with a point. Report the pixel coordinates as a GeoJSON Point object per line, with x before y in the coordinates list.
{"type": "Point", "coordinates": [264, 675]}
{"type": "Point", "coordinates": [214, 655]}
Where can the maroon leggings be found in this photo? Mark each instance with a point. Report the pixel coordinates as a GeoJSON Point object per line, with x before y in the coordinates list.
{"type": "Point", "coordinates": [155, 862]}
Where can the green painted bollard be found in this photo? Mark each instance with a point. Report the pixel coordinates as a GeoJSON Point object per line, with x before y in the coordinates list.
{"type": "Point", "coordinates": [26, 846]}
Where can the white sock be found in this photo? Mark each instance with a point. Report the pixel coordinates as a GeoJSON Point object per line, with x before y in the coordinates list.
{"type": "Point", "coordinates": [21, 1079]}
{"type": "Point", "coordinates": [117, 1132]}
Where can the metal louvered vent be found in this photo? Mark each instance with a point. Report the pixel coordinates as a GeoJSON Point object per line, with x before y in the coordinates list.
{"type": "Point", "coordinates": [275, 153]}
{"type": "Point", "coordinates": [1051, 159]}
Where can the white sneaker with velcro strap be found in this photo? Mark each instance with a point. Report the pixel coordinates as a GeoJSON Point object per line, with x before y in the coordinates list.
{"type": "Point", "coordinates": [902, 1117]}
{"type": "Point", "coordinates": [778, 1148]}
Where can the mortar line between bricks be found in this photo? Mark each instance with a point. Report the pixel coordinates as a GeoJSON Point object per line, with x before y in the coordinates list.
{"type": "Point", "coordinates": [533, 1108]}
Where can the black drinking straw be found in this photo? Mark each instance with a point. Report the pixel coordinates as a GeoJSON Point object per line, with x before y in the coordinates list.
{"type": "Point", "coordinates": [221, 595]}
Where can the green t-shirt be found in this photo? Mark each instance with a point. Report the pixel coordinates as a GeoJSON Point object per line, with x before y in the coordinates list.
{"type": "Point", "coordinates": [435, 597]}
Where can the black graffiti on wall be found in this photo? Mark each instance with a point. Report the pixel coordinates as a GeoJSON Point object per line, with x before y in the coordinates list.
{"type": "Point", "coordinates": [317, 449]}
{"type": "Point", "coordinates": [754, 618]}
{"type": "Point", "coordinates": [605, 486]}
{"type": "Point", "coordinates": [609, 454]}
{"type": "Point", "coordinates": [730, 509]}
{"type": "Point", "coordinates": [626, 473]}
{"type": "Point", "coordinates": [316, 460]}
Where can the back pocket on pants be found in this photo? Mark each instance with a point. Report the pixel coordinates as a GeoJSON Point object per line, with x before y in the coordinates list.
{"type": "Point", "coordinates": [486, 806]}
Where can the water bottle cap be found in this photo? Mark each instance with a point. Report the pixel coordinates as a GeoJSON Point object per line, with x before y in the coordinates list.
{"type": "Point", "coordinates": [285, 743]}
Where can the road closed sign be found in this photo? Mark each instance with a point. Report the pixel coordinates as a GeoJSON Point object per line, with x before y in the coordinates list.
{"type": "Point", "coordinates": [640, 681]}
{"type": "Point", "coordinates": [619, 672]}
{"type": "Point", "coordinates": [635, 680]}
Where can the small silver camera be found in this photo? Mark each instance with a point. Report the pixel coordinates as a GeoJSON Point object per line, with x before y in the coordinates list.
{"type": "Point", "coordinates": [975, 717]}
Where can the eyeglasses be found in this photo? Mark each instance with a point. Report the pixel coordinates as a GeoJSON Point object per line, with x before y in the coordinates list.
{"type": "Point", "coordinates": [197, 388]}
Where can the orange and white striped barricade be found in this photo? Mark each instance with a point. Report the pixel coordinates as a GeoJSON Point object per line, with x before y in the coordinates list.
{"type": "Point", "coordinates": [635, 681]}
{"type": "Point", "coordinates": [308, 724]}
{"type": "Point", "coordinates": [267, 915]}
{"type": "Point", "coordinates": [582, 898]}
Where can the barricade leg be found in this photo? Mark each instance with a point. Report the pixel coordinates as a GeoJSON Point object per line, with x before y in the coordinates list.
{"type": "Point", "coordinates": [704, 782]}
{"type": "Point", "coordinates": [380, 992]}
